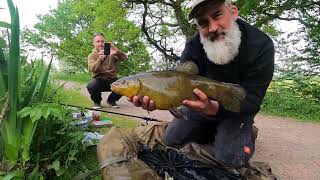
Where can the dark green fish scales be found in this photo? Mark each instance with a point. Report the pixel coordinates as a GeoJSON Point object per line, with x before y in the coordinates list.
{"type": "Point", "coordinates": [169, 88]}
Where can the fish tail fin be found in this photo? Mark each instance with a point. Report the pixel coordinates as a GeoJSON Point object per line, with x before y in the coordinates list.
{"type": "Point", "coordinates": [233, 98]}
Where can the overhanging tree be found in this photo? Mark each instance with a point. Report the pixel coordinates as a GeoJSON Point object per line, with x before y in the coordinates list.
{"type": "Point", "coordinates": [165, 21]}
{"type": "Point", "coordinates": [69, 29]}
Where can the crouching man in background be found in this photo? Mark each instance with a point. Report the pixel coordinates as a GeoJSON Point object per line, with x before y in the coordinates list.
{"type": "Point", "coordinates": [104, 70]}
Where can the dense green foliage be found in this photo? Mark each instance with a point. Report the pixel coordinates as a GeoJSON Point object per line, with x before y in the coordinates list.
{"type": "Point", "coordinates": [87, 160]}
{"type": "Point", "coordinates": [298, 51]}
{"type": "Point", "coordinates": [28, 124]}
{"type": "Point", "coordinates": [292, 99]}
{"type": "Point", "coordinates": [56, 145]}
{"type": "Point", "coordinates": [68, 31]}
{"type": "Point", "coordinates": [305, 13]}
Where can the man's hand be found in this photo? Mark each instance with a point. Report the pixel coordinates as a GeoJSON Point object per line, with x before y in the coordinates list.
{"type": "Point", "coordinates": [113, 49]}
{"type": "Point", "coordinates": [143, 102]}
{"type": "Point", "coordinates": [102, 57]}
{"type": "Point", "coordinates": [203, 104]}
{"type": "Point", "coordinates": [117, 53]}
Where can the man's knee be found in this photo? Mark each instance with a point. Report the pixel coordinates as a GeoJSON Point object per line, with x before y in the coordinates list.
{"type": "Point", "coordinates": [92, 86]}
{"type": "Point", "coordinates": [236, 159]}
{"type": "Point", "coordinates": [235, 146]}
{"type": "Point", "coordinates": [235, 153]}
{"type": "Point", "coordinates": [171, 139]}
{"type": "Point", "coordinates": [167, 140]}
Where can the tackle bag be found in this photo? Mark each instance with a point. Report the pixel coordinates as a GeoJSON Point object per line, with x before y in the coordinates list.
{"type": "Point", "coordinates": [140, 154]}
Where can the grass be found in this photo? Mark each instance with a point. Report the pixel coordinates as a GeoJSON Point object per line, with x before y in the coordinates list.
{"type": "Point", "coordinates": [88, 161]}
{"type": "Point", "coordinates": [82, 78]}
{"type": "Point", "coordinates": [118, 121]}
{"type": "Point", "coordinates": [74, 97]}
{"type": "Point", "coordinates": [282, 101]}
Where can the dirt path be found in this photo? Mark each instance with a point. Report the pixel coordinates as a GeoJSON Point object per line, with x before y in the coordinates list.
{"type": "Point", "coordinates": [291, 148]}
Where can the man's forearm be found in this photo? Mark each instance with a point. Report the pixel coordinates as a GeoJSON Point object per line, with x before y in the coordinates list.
{"type": "Point", "coordinates": [121, 56]}
{"type": "Point", "coordinates": [94, 64]}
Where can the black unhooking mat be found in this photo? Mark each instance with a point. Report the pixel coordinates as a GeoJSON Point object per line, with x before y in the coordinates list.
{"type": "Point", "coordinates": [180, 167]}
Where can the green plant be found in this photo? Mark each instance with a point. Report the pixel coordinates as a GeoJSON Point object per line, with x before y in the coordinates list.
{"type": "Point", "coordinates": [307, 87]}
{"type": "Point", "coordinates": [37, 140]}
{"type": "Point", "coordinates": [16, 95]}
{"type": "Point", "coordinates": [289, 99]}
{"type": "Point", "coordinates": [56, 144]}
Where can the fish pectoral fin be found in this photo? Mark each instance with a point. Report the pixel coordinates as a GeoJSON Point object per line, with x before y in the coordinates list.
{"type": "Point", "coordinates": [176, 113]}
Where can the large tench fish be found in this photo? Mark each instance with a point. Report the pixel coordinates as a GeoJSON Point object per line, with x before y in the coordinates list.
{"type": "Point", "coordinates": [169, 88]}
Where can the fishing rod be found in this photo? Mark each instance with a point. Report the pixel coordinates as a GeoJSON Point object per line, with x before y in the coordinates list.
{"type": "Point", "coordinates": [111, 112]}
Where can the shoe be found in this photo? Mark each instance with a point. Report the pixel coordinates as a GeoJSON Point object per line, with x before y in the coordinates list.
{"type": "Point", "coordinates": [96, 106]}
{"type": "Point", "coordinates": [112, 104]}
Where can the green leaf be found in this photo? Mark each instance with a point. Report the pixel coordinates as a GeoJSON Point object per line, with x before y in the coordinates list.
{"type": "Point", "coordinates": [5, 25]}
{"type": "Point", "coordinates": [29, 128]}
{"type": "Point", "coordinates": [13, 139]}
{"type": "Point", "coordinates": [30, 93]}
{"type": "Point", "coordinates": [57, 113]}
{"type": "Point", "coordinates": [47, 113]}
{"type": "Point", "coordinates": [55, 165]}
{"type": "Point", "coordinates": [13, 175]}
{"type": "Point", "coordinates": [12, 9]}
{"type": "Point", "coordinates": [44, 81]}
{"type": "Point", "coordinates": [60, 172]}
{"type": "Point", "coordinates": [35, 114]}
{"type": "Point", "coordinates": [3, 134]}
{"type": "Point", "coordinates": [34, 87]}
{"type": "Point", "coordinates": [26, 136]}
{"type": "Point", "coordinates": [11, 152]}
{"type": "Point", "coordinates": [24, 112]}
{"type": "Point", "coordinates": [35, 174]}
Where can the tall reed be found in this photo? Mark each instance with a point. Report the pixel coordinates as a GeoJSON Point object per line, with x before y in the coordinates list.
{"type": "Point", "coordinates": [16, 132]}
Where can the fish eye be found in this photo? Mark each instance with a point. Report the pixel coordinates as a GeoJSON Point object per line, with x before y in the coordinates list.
{"type": "Point", "coordinates": [122, 81]}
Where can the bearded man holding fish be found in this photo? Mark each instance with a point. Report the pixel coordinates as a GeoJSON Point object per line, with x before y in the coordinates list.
{"type": "Point", "coordinates": [237, 62]}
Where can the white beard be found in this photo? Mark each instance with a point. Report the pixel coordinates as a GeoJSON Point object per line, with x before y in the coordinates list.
{"type": "Point", "coordinates": [223, 51]}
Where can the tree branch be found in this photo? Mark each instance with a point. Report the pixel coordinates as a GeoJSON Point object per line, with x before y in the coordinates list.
{"type": "Point", "coordinates": [165, 52]}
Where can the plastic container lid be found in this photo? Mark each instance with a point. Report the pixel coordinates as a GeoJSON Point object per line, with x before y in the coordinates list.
{"type": "Point", "coordinates": [107, 123]}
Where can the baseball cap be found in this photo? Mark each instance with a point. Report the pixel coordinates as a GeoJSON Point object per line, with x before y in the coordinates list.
{"type": "Point", "coordinates": [196, 3]}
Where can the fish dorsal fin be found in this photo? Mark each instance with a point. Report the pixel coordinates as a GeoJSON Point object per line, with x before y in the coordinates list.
{"type": "Point", "coordinates": [188, 67]}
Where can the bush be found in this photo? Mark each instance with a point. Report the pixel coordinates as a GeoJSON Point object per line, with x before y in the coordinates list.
{"type": "Point", "coordinates": [289, 99]}
{"type": "Point", "coordinates": [56, 146]}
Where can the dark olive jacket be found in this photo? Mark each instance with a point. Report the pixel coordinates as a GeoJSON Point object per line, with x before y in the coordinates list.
{"type": "Point", "coordinates": [252, 68]}
{"type": "Point", "coordinates": [106, 69]}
